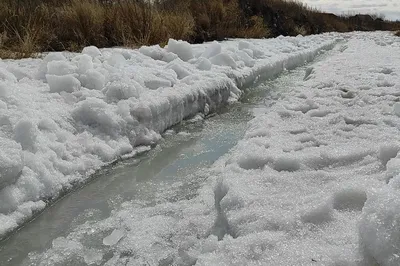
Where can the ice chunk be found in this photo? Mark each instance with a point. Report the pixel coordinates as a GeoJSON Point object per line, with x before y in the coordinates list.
{"type": "Point", "coordinates": [155, 83]}
{"type": "Point", "coordinates": [60, 68]}
{"type": "Point", "coordinates": [113, 238]}
{"type": "Point", "coordinates": [18, 72]}
{"type": "Point", "coordinates": [244, 45]}
{"type": "Point", "coordinates": [3, 105]}
{"type": "Point", "coordinates": [393, 167]}
{"type": "Point", "coordinates": [93, 80]}
{"type": "Point", "coordinates": [10, 161]}
{"type": "Point", "coordinates": [3, 89]}
{"type": "Point", "coordinates": [181, 48]}
{"type": "Point", "coordinates": [92, 256]}
{"type": "Point", "coordinates": [248, 61]}
{"type": "Point", "coordinates": [318, 215]}
{"type": "Point", "coordinates": [92, 51]}
{"type": "Point", "coordinates": [349, 199]}
{"type": "Point", "coordinates": [7, 75]}
{"type": "Point", "coordinates": [387, 152]}
{"type": "Point", "coordinates": [67, 83]}
{"type": "Point", "coordinates": [116, 60]}
{"type": "Point", "coordinates": [212, 50]}
{"type": "Point", "coordinates": [25, 133]}
{"type": "Point", "coordinates": [47, 124]}
{"type": "Point", "coordinates": [117, 90]}
{"type": "Point", "coordinates": [180, 71]}
{"type": "Point", "coordinates": [286, 163]}
{"type": "Point", "coordinates": [379, 227]}
{"type": "Point", "coordinates": [203, 64]}
{"type": "Point", "coordinates": [97, 114]}
{"type": "Point", "coordinates": [155, 52]}
{"type": "Point", "coordinates": [396, 109]}
{"type": "Point", "coordinates": [42, 71]}
{"type": "Point", "coordinates": [223, 59]}
{"type": "Point", "coordinates": [168, 57]}
{"type": "Point", "coordinates": [85, 63]}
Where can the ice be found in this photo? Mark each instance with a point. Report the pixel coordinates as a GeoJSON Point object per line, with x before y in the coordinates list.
{"type": "Point", "coordinates": [67, 83]}
{"type": "Point", "coordinates": [25, 134]}
{"type": "Point", "coordinates": [4, 89]}
{"type": "Point", "coordinates": [19, 73]}
{"type": "Point", "coordinates": [248, 61]}
{"type": "Point", "coordinates": [116, 60]}
{"type": "Point", "coordinates": [93, 79]}
{"type": "Point", "coordinates": [318, 215]}
{"type": "Point", "coordinates": [396, 109]}
{"type": "Point", "coordinates": [223, 59]}
{"type": "Point", "coordinates": [42, 70]}
{"type": "Point", "coordinates": [156, 83]}
{"type": "Point", "coordinates": [286, 163]}
{"type": "Point", "coordinates": [181, 48]}
{"type": "Point", "coordinates": [379, 228]}
{"type": "Point", "coordinates": [387, 152]}
{"type": "Point", "coordinates": [118, 90]}
{"type": "Point", "coordinates": [203, 64]}
{"type": "Point", "coordinates": [85, 63]}
{"type": "Point", "coordinates": [92, 51]}
{"type": "Point", "coordinates": [393, 167]}
{"type": "Point", "coordinates": [155, 52]}
{"type": "Point", "coordinates": [212, 50]}
{"type": "Point", "coordinates": [60, 68]}
{"type": "Point", "coordinates": [6, 75]}
{"type": "Point", "coordinates": [94, 113]}
{"type": "Point", "coordinates": [113, 238]}
{"type": "Point", "coordinates": [180, 71]}
{"type": "Point", "coordinates": [349, 199]}
{"type": "Point", "coordinates": [10, 162]}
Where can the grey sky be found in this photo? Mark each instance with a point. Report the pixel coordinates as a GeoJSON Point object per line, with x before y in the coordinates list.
{"type": "Point", "coordinates": [389, 8]}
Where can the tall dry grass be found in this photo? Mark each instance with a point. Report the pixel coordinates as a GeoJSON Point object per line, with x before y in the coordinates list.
{"type": "Point", "coordinates": [31, 26]}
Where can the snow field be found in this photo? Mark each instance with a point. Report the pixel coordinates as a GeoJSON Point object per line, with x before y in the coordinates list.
{"type": "Point", "coordinates": [66, 115]}
{"type": "Point", "coordinates": [314, 181]}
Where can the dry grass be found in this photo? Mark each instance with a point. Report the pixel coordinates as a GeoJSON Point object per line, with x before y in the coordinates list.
{"type": "Point", "coordinates": [31, 26]}
{"type": "Point", "coordinates": [397, 33]}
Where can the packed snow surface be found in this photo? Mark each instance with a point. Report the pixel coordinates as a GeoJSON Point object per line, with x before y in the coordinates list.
{"type": "Point", "coordinates": [314, 181]}
{"type": "Point", "coordinates": [68, 114]}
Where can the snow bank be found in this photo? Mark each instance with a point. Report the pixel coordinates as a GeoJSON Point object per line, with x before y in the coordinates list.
{"type": "Point", "coordinates": [68, 114]}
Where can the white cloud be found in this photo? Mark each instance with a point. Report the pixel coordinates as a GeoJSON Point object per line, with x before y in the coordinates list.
{"type": "Point", "coordinates": [389, 8]}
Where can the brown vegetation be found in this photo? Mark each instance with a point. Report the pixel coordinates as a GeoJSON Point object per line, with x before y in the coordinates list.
{"type": "Point", "coordinates": [30, 26]}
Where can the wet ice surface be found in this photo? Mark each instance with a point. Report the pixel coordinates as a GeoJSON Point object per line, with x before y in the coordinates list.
{"type": "Point", "coordinates": [314, 181]}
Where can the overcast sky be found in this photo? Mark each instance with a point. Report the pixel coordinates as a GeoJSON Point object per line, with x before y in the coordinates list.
{"type": "Point", "coordinates": [390, 8]}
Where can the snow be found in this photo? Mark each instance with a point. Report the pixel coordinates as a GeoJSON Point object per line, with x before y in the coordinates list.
{"type": "Point", "coordinates": [66, 115]}
{"type": "Point", "coordinates": [314, 181]}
